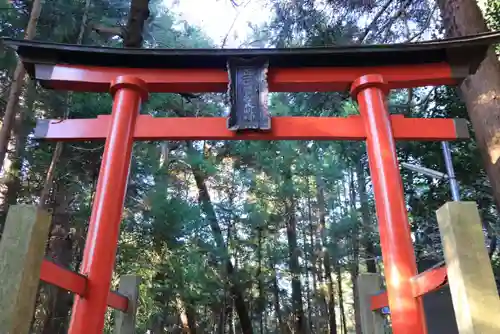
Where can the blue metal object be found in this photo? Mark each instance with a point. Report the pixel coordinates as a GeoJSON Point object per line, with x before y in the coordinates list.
{"type": "Point", "coordinates": [455, 193]}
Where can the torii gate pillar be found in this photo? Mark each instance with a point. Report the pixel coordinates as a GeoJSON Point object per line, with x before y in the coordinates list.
{"type": "Point", "coordinates": [395, 238]}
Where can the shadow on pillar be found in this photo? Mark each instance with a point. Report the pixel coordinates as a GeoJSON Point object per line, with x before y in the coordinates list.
{"type": "Point", "coordinates": [438, 307]}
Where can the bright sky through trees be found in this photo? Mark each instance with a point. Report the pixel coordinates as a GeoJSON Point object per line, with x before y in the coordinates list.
{"type": "Point", "coordinates": [218, 17]}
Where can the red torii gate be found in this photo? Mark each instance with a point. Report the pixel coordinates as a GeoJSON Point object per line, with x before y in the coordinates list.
{"type": "Point", "coordinates": [368, 71]}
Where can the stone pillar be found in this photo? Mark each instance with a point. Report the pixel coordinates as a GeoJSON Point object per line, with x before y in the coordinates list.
{"type": "Point", "coordinates": [125, 321]}
{"type": "Point", "coordinates": [470, 276]}
{"type": "Point", "coordinates": [372, 322]}
{"type": "Point", "coordinates": [22, 250]}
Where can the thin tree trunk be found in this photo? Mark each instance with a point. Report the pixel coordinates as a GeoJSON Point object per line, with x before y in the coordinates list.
{"type": "Point", "coordinates": [83, 25]}
{"type": "Point", "coordinates": [280, 325]}
{"type": "Point", "coordinates": [293, 252]}
{"type": "Point", "coordinates": [365, 217]}
{"type": "Point", "coordinates": [13, 165]}
{"type": "Point", "coordinates": [230, 316]}
{"type": "Point", "coordinates": [355, 250]}
{"type": "Point", "coordinates": [313, 260]}
{"type": "Point", "coordinates": [58, 297]}
{"type": "Point", "coordinates": [59, 250]}
{"type": "Point", "coordinates": [59, 145]}
{"type": "Point", "coordinates": [323, 318]}
{"type": "Point", "coordinates": [187, 317]}
{"type": "Point", "coordinates": [308, 282]}
{"type": "Point", "coordinates": [208, 209]}
{"type": "Point", "coordinates": [233, 321]}
{"type": "Point", "coordinates": [343, 321]}
{"type": "Point", "coordinates": [266, 324]}
{"type": "Point", "coordinates": [260, 277]}
{"type": "Point", "coordinates": [221, 325]}
{"type": "Point", "coordinates": [17, 85]}
{"type": "Point", "coordinates": [332, 319]}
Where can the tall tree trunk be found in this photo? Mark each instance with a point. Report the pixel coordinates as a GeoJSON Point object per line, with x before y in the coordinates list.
{"type": "Point", "coordinates": [371, 266]}
{"type": "Point", "coordinates": [187, 316]}
{"type": "Point", "coordinates": [322, 322]}
{"type": "Point", "coordinates": [230, 315]}
{"type": "Point", "coordinates": [481, 91]}
{"type": "Point", "coordinates": [57, 297]}
{"type": "Point", "coordinates": [260, 276]}
{"type": "Point", "coordinates": [308, 283]}
{"type": "Point", "coordinates": [332, 318]}
{"type": "Point", "coordinates": [293, 252]}
{"type": "Point", "coordinates": [280, 325]}
{"type": "Point", "coordinates": [221, 324]}
{"type": "Point", "coordinates": [208, 209]}
{"type": "Point", "coordinates": [343, 321]}
{"type": "Point", "coordinates": [13, 164]}
{"type": "Point", "coordinates": [354, 267]}
{"type": "Point", "coordinates": [17, 85]}
{"type": "Point", "coordinates": [49, 179]}
{"type": "Point", "coordinates": [59, 250]}
{"type": "Point", "coordinates": [323, 317]}
{"type": "Point", "coordinates": [313, 260]}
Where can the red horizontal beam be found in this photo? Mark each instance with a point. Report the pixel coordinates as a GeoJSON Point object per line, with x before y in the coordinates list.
{"type": "Point", "coordinates": [282, 128]}
{"type": "Point", "coordinates": [68, 280]}
{"type": "Point", "coordinates": [307, 79]}
{"type": "Point", "coordinates": [422, 284]}
{"type": "Point", "coordinates": [429, 281]}
{"type": "Point", "coordinates": [117, 301]}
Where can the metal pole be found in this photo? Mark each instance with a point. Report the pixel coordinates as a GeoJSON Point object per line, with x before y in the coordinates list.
{"type": "Point", "coordinates": [425, 171]}
{"type": "Point", "coordinates": [104, 227]}
{"type": "Point", "coordinates": [455, 193]}
{"type": "Point", "coordinates": [407, 312]}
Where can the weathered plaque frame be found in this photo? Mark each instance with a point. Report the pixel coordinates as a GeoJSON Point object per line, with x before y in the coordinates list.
{"type": "Point", "coordinates": [248, 94]}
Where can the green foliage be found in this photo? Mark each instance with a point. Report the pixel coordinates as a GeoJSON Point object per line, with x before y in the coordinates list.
{"type": "Point", "coordinates": [493, 14]}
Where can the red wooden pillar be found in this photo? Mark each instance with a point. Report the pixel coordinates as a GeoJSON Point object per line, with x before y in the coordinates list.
{"type": "Point", "coordinates": [407, 313]}
{"type": "Point", "coordinates": [100, 248]}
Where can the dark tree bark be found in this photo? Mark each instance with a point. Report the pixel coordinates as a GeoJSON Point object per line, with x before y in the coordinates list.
{"type": "Point", "coordinates": [481, 91]}
{"type": "Point", "coordinates": [308, 283]}
{"type": "Point", "coordinates": [16, 87]}
{"type": "Point", "coordinates": [341, 300]}
{"type": "Point", "coordinates": [60, 251]}
{"type": "Point", "coordinates": [187, 316]}
{"type": "Point", "coordinates": [139, 13]}
{"type": "Point", "coordinates": [365, 217]}
{"type": "Point", "coordinates": [261, 304]}
{"type": "Point", "coordinates": [280, 325]}
{"type": "Point", "coordinates": [12, 175]}
{"type": "Point", "coordinates": [293, 252]}
{"type": "Point", "coordinates": [354, 267]}
{"type": "Point", "coordinates": [332, 319]}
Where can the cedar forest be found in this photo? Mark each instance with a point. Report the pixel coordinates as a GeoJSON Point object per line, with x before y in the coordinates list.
{"type": "Point", "coordinates": [243, 237]}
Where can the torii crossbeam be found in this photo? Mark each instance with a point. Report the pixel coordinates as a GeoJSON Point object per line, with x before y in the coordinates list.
{"type": "Point", "coordinates": [367, 71]}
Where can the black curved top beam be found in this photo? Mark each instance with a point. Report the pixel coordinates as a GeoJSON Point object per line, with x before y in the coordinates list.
{"type": "Point", "coordinates": [468, 51]}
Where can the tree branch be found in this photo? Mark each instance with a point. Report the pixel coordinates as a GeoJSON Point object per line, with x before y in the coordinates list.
{"type": "Point", "coordinates": [107, 32]}
{"type": "Point", "coordinates": [387, 27]}
{"type": "Point", "coordinates": [413, 105]}
{"type": "Point", "coordinates": [426, 25]}
{"type": "Point", "coordinates": [374, 21]}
